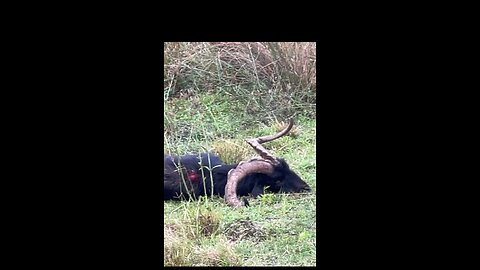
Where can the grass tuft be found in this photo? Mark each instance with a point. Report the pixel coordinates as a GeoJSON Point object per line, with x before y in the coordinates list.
{"type": "Point", "coordinates": [232, 151]}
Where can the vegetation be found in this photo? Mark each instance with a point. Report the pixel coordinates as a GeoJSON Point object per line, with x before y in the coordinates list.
{"type": "Point", "coordinates": [215, 96]}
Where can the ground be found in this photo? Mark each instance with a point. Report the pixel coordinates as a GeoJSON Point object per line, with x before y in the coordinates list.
{"type": "Point", "coordinates": [277, 229]}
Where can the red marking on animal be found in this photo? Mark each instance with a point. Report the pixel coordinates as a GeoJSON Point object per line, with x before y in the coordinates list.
{"type": "Point", "coordinates": [193, 176]}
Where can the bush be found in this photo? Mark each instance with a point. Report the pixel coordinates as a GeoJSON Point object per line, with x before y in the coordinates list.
{"type": "Point", "coordinates": [266, 78]}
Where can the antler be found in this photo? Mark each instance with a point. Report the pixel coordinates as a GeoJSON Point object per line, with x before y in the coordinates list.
{"type": "Point", "coordinates": [239, 173]}
{"type": "Point", "coordinates": [256, 165]}
{"type": "Point", "coordinates": [256, 142]}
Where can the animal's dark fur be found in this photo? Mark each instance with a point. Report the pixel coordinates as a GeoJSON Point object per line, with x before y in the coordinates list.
{"type": "Point", "coordinates": [176, 184]}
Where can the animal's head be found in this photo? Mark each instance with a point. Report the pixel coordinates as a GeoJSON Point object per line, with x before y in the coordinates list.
{"type": "Point", "coordinates": [280, 177]}
{"type": "Point", "coordinates": [283, 179]}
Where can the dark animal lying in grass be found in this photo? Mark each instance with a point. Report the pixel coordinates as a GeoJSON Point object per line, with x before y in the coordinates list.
{"type": "Point", "coordinates": [192, 176]}
{"type": "Point", "coordinates": [190, 181]}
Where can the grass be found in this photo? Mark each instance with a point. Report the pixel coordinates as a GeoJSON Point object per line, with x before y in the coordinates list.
{"type": "Point", "coordinates": [263, 77]}
{"type": "Point", "coordinates": [196, 232]}
{"type": "Point", "coordinates": [207, 110]}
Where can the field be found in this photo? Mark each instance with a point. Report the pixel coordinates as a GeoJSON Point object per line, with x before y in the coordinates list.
{"type": "Point", "coordinates": [216, 95]}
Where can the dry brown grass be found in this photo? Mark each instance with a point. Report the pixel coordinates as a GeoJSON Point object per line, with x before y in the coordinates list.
{"type": "Point", "coordinates": [176, 249]}
{"type": "Point", "coordinates": [231, 151]}
{"type": "Point", "coordinates": [187, 243]}
{"type": "Point", "coordinates": [221, 254]}
{"type": "Point", "coordinates": [272, 62]}
{"type": "Point", "coordinates": [269, 73]}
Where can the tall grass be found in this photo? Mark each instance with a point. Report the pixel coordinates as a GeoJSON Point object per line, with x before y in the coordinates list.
{"type": "Point", "coordinates": [267, 78]}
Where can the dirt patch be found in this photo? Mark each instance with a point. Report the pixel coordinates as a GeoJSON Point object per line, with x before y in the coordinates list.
{"type": "Point", "coordinates": [245, 229]}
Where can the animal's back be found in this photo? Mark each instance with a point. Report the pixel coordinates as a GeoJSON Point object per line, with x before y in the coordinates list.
{"type": "Point", "coordinates": [191, 171]}
{"type": "Point", "coordinates": [192, 161]}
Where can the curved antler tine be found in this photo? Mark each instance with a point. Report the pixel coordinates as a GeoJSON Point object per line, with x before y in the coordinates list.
{"type": "Point", "coordinates": [256, 142]}
{"type": "Point", "coordinates": [282, 133]}
{"type": "Point", "coordinates": [239, 173]}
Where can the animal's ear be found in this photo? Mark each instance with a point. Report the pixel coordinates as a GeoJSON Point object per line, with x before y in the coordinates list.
{"type": "Point", "coordinates": [280, 170]}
